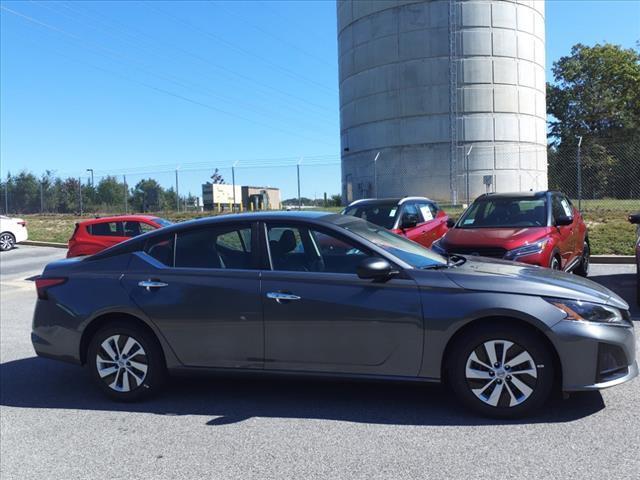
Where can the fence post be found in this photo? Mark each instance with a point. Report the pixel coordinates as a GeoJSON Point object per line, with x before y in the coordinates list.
{"type": "Point", "coordinates": [126, 194]}
{"type": "Point", "coordinates": [41, 196]}
{"type": "Point", "coordinates": [6, 197]}
{"type": "Point", "coordinates": [80, 193]}
{"type": "Point", "coordinates": [466, 161]}
{"type": "Point", "coordinates": [375, 174]}
{"type": "Point", "coordinates": [177, 193]}
{"type": "Point", "coordinates": [299, 196]}
{"type": "Point", "coordinates": [579, 165]}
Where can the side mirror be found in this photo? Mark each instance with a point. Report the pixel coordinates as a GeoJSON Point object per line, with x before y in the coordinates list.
{"type": "Point", "coordinates": [375, 268]}
{"type": "Point", "coordinates": [564, 220]}
{"type": "Point", "coordinates": [635, 218]}
{"type": "Point", "coordinates": [450, 222]}
{"type": "Point", "coordinates": [409, 220]}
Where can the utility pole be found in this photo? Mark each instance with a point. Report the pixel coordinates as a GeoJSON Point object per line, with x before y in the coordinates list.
{"type": "Point", "coordinates": [126, 195]}
{"type": "Point", "coordinates": [6, 196]}
{"type": "Point", "coordinates": [233, 184]}
{"type": "Point", "coordinates": [80, 193]}
{"type": "Point", "coordinates": [177, 193]}
{"type": "Point", "coordinates": [375, 173]}
{"type": "Point", "coordinates": [91, 170]}
{"type": "Point", "coordinates": [579, 164]}
{"type": "Point", "coordinates": [299, 196]}
{"type": "Point", "coordinates": [467, 168]}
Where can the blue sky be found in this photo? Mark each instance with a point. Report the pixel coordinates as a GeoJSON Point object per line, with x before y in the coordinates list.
{"type": "Point", "coordinates": [120, 87]}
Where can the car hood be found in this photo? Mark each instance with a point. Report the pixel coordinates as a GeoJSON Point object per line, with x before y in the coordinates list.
{"type": "Point", "coordinates": [493, 237]}
{"type": "Point", "coordinates": [488, 274]}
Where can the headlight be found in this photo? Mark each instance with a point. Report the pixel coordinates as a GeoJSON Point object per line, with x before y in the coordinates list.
{"type": "Point", "coordinates": [578, 311]}
{"type": "Point", "coordinates": [530, 249]}
{"type": "Point", "coordinates": [438, 248]}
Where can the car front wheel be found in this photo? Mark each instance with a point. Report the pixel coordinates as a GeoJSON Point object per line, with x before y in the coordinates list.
{"type": "Point", "coordinates": [583, 268]}
{"type": "Point", "coordinates": [7, 241]}
{"type": "Point", "coordinates": [501, 371]}
{"type": "Point", "coordinates": [126, 362]}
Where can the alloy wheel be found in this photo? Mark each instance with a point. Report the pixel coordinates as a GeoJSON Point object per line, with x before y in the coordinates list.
{"type": "Point", "coordinates": [501, 373]}
{"type": "Point", "coordinates": [6, 241]}
{"type": "Point", "coordinates": [122, 363]}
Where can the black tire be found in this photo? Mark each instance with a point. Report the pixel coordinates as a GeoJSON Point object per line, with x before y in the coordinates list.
{"type": "Point", "coordinates": [512, 400]}
{"type": "Point", "coordinates": [130, 373]}
{"type": "Point", "coordinates": [554, 263]}
{"type": "Point", "coordinates": [7, 241]}
{"type": "Point", "coordinates": [583, 268]}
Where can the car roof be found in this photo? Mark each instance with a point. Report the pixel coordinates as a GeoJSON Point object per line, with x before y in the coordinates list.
{"type": "Point", "coordinates": [117, 218]}
{"type": "Point", "coordinates": [529, 194]}
{"type": "Point", "coordinates": [386, 201]}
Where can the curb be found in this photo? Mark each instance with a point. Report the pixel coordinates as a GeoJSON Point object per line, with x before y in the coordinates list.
{"type": "Point", "coordinates": [613, 259]}
{"type": "Point", "coordinates": [35, 243]}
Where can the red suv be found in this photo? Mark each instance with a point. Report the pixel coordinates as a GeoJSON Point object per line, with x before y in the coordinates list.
{"type": "Point", "coordinates": [417, 218]}
{"type": "Point", "coordinates": [92, 236]}
{"type": "Point", "coordinates": [540, 228]}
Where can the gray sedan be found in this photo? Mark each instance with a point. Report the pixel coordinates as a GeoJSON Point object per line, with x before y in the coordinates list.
{"type": "Point", "coordinates": [332, 295]}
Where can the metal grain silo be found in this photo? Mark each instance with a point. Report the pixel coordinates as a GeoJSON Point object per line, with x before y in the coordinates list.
{"type": "Point", "coordinates": [450, 93]}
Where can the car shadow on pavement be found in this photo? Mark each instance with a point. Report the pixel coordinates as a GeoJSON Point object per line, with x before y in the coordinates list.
{"type": "Point", "coordinates": [39, 383]}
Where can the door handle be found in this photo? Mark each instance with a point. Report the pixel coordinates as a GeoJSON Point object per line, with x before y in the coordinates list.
{"type": "Point", "coordinates": [282, 297]}
{"type": "Point", "coordinates": [149, 284]}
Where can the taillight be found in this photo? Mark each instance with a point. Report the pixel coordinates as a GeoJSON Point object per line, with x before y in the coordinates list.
{"type": "Point", "coordinates": [43, 284]}
{"type": "Point", "coordinates": [24, 224]}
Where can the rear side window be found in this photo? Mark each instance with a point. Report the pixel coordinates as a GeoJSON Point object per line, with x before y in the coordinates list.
{"type": "Point", "coordinates": [216, 247]}
{"type": "Point", "coordinates": [106, 229]}
{"type": "Point", "coordinates": [161, 248]}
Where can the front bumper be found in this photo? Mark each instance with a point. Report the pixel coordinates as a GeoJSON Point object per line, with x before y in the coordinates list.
{"type": "Point", "coordinates": [594, 356]}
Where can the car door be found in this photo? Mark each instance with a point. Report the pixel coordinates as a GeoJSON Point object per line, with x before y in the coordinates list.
{"type": "Point", "coordinates": [565, 244]}
{"type": "Point", "coordinates": [434, 224]}
{"type": "Point", "coordinates": [201, 288]}
{"type": "Point", "coordinates": [319, 316]}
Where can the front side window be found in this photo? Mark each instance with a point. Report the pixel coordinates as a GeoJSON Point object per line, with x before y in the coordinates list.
{"type": "Point", "coordinates": [301, 249]}
{"type": "Point", "coordinates": [132, 229]}
{"type": "Point", "coordinates": [383, 214]}
{"type": "Point", "coordinates": [215, 247]}
{"type": "Point", "coordinates": [502, 212]}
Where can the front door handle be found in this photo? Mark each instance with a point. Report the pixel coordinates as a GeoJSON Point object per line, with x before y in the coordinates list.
{"type": "Point", "coordinates": [149, 284]}
{"type": "Point", "coordinates": [282, 297]}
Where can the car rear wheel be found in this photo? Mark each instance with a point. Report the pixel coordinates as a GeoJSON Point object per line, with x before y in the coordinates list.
{"type": "Point", "coordinates": [126, 362]}
{"type": "Point", "coordinates": [501, 371]}
{"type": "Point", "coordinates": [583, 268]}
{"type": "Point", "coordinates": [7, 241]}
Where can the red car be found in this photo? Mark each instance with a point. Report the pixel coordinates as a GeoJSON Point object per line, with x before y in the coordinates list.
{"type": "Point", "coordinates": [92, 236]}
{"type": "Point", "coordinates": [417, 218]}
{"type": "Point", "coordinates": [540, 228]}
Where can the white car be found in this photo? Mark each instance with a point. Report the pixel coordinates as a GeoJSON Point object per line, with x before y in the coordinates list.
{"type": "Point", "coordinates": [12, 231]}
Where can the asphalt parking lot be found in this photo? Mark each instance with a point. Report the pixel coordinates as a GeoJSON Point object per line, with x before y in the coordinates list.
{"type": "Point", "coordinates": [55, 425]}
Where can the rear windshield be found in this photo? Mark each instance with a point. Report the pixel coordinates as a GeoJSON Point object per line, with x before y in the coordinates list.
{"type": "Point", "coordinates": [505, 213]}
{"type": "Point", "coordinates": [382, 214]}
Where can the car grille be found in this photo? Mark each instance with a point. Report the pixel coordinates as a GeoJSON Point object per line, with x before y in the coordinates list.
{"type": "Point", "coordinates": [480, 251]}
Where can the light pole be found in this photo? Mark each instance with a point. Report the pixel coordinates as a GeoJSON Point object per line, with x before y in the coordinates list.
{"type": "Point", "coordinates": [298, 174]}
{"type": "Point", "coordinates": [91, 170]}
{"type": "Point", "coordinates": [467, 168]}
{"type": "Point", "coordinates": [375, 173]}
{"type": "Point", "coordinates": [233, 182]}
{"type": "Point", "coordinates": [579, 165]}
{"type": "Point", "coordinates": [177, 193]}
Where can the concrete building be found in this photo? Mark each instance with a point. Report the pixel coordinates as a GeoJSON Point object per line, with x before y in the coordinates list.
{"type": "Point", "coordinates": [450, 93]}
{"type": "Point", "coordinates": [217, 196]}
{"type": "Point", "coordinates": [260, 198]}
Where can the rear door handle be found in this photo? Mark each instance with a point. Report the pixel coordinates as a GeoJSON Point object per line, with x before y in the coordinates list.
{"type": "Point", "coordinates": [149, 284]}
{"type": "Point", "coordinates": [282, 297]}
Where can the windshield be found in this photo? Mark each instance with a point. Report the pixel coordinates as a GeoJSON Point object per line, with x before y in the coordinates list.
{"type": "Point", "coordinates": [381, 214]}
{"type": "Point", "coordinates": [162, 222]}
{"type": "Point", "coordinates": [505, 212]}
{"type": "Point", "coordinates": [412, 253]}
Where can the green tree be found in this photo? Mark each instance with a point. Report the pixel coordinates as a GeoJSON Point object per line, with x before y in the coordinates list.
{"type": "Point", "coordinates": [595, 95]}
{"type": "Point", "coordinates": [110, 193]}
{"type": "Point", "coordinates": [147, 196]}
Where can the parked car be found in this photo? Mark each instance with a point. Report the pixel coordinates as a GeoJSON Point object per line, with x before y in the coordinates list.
{"type": "Point", "coordinates": [539, 228]}
{"type": "Point", "coordinates": [93, 236]}
{"type": "Point", "coordinates": [12, 231]}
{"type": "Point", "coordinates": [270, 292]}
{"type": "Point", "coordinates": [635, 219]}
{"type": "Point", "coordinates": [417, 218]}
